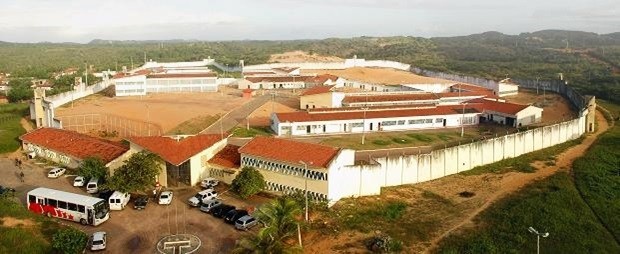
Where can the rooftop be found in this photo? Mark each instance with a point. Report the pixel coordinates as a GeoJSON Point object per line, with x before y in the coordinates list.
{"type": "Point", "coordinates": [176, 151]}
{"type": "Point", "coordinates": [183, 75]}
{"type": "Point", "coordinates": [228, 157]}
{"type": "Point", "coordinates": [318, 90]}
{"type": "Point", "coordinates": [278, 79]}
{"type": "Point", "coordinates": [290, 151]}
{"type": "Point", "coordinates": [75, 144]}
{"type": "Point", "coordinates": [391, 97]}
{"type": "Point", "coordinates": [501, 107]}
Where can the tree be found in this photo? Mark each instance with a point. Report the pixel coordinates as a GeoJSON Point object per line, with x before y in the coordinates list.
{"type": "Point", "coordinates": [20, 90]}
{"type": "Point", "coordinates": [69, 240]}
{"type": "Point", "coordinates": [248, 182]}
{"type": "Point", "coordinates": [280, 220]}
{"type": "Point", "coordinates": [137, 174]}
{"type": "Point", "coordinates": [93, 167]}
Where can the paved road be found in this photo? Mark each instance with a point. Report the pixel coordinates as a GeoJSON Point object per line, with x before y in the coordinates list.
{"type": "Point", "coordinates": [236, 116]}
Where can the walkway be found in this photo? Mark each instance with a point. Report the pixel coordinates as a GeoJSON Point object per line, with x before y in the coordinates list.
{"type": "Point", "coordinates": [236, 116]}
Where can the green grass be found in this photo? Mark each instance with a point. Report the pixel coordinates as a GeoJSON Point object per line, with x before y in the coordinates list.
{"type": "Point", "coordinates": [597, 176]}
{"type": "Point", "coordinates": [551, 205]}
{"type": "Point", "coordinates": [10, 128]}
{"type": "Point", "coordinates": [194, 125]}
{"type": "Point", "coordinates": [421, 137]}
{"type": "Point", "coordinates": [25, 239]}
{"type": "Point", "coordinates": [522, 163]}
{"type": "Point", "coordinates": [381, 142]}
{"type": "Point", "coordinates": [402, 139]}
{"type": "Point", "coordinates": [243, 132]}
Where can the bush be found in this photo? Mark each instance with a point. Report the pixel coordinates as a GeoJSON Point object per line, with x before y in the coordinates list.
{"type": "Point", "coordinates": [69, 240]}
{"type": "Point", "coordinates": [248, 182]}
{"type": "Point", "coordinates": [420, 137]}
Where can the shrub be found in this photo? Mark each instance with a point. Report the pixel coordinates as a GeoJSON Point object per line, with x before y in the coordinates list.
{"type": "Point", "coordinates": [69, 240]}
{"type": "Point", "coordinates": [248, 182]}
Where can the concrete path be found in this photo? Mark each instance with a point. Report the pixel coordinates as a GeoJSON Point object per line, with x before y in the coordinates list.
{"type": "Point", "coordinates": [236, 116]}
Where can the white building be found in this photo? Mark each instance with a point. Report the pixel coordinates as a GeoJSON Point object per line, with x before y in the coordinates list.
{"type": "Point", "coordinates": [506, 88]}
{"type": "Point", "coordinates": [304, 166]}
{"type": "Point", "coordinates": [273, 82]}
{"type": "Point", "coordinates": [143, 82]}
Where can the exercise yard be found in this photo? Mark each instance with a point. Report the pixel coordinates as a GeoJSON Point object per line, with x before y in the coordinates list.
{"type": "Point", "coordinates": [381, 76]}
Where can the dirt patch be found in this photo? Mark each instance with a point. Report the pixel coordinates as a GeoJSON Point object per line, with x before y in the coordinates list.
{"type": "Point", "coordinates": [381, 76]}
{"type": "Point", "coordinates": [301, 56]}
{"type": "Point", "coordinates": [555, 107]}
{"type": "Point", "coordinates": [11, 222]}
{"type": "Point", "coordinates": [261, 116]}
{"type": "Point", "coordinates": [166, 110]}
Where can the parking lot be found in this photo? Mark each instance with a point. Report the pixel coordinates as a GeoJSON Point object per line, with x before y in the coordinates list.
{"type": "Point", "coordinates": [137, 231]}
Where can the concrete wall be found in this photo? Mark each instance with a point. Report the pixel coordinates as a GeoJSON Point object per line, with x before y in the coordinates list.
{"type": "Point", "coordinates": [80, 92]}
{"type": "Point", "coordinates": [348, 63]}
{"type": "Point", "coordinates": [364, 180]}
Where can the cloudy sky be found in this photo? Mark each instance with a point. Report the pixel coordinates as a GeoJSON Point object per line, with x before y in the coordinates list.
{"type": "Point", "coordinates": [82, 21]}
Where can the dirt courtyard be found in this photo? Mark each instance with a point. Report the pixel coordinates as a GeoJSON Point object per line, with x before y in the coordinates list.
{"type": "Point", "coordinates": [165, 109]}
{"type": "Point", "coordinates": [381, 76]}
{"type": "Point", "coordinates": [555, 107]}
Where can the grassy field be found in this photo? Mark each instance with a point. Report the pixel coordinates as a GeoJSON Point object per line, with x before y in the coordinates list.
{"type": "Point", "coordinates": [522, 163]}
{"type": "Point", "coordinates": [194, 125]}
{"type": "Point", "coordinates": [10, 128]}
{"type": "Point", "coordinates": [32, 234]}
{"type": "Point", "coordinates": [242, 132]}
{"type": "Point", "coordinates": [403, 139]}
{"type": "Point", "coordinates": [597, 176]}
{"type": "Point", "coordinates": [551, 205]}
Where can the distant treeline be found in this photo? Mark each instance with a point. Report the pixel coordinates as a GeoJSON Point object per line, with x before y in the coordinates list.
{"type": "Point", "coordinates": [586, 60]}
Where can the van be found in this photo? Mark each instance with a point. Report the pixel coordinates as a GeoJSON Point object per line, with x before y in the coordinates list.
{"type": "Point", "coordinates": [245, 222]}
{"type": "Point", "coordinates": [92, 186]}
{"type": "Point", "coordinates": [118, 200]}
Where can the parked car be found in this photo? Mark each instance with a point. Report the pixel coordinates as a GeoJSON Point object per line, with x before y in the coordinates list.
{"type": "Point", "coordinates": [165, 198]}
{"type": "Point", "coordinates": [93, 185]}
{"type": "Point", "coordinates": [202, 196]}
{"type": "Point", "coordinates": [118, 200]}
{"type": "Point", "coordinates": [98, 241]}
{"type": "Point", "coordinates": [56, 172]}
{"type": "Point", "coordinates": [208, 205]}
{"type": "Point", "coordinates": [245, 222]}
{"type": "Point", "coordinates": [6, 190]}
{"type": "Point", "coordinates": [221, 210]}
{"type": "Point", "coordinates": [233, 215]}
{"type": "Point", "coordinates": [140, 202]}
{"type": "Point", "coordinates": [209, 183]}
{"type": "Point", "coordinates": [79, 181]}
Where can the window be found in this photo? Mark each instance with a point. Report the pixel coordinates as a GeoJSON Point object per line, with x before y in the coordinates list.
{"type": "Point", "coordinates": [81, 208]}
{"type": "Point", "coordinates": [32, 199]}
{"type": "Point", "coordinates": [72, 207]}
{"type": "Point", "coordinates": [439, 120]}
{"type": "Point", "coordinates": [52, 202]}
{"type": "Point", "coordinates": [468, 120]}
{"type": "Point", "coordinates": [429, 121]}
{"type": "Point", "coordinates": [388, 123]}
{"type": "Point", "coordinates": [417, 121]}
{"type": "Point", "coordinates": [301, 128]}
{"type": "Point", "coordinates": [353, 125]}
{"type": "Point", "coordinates": [401, 122]}
{"type": "Point", "coordinates": [62, 204]}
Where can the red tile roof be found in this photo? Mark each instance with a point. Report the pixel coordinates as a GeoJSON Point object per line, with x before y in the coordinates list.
{"type": "Point", "coordinates": [290, 151]}
{"type": "Point", "coordinates": [176, 152]}
{"type": "Point", "coordinates": [501, 107]}
{"type": "Point", "coordinates": [137, 73]}
{"type": "Point", "coordinates": [228, 157]}
{"type": "Point", "coordinates": [370, 114]}
{"type": "Point", "coordinates": [183, 75]}
{"type": "Point", "coordinates": [321, 79]}
{"type": "Point", "coordinates": [318, 90]}
{"type": "Point", "coordinates": [74, 144]}
{"type": "Point", "coordinates": [390, 97]}
{"type": "Point", "coordinates": [278, 79]}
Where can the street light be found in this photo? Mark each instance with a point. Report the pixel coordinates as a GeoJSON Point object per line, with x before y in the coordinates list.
{"type": "Point", "coordinates": [364, 125]}
{"type": "Point", "coordinates": [306, 183]}
{"type": "Point", "coordinates": [538, 235]}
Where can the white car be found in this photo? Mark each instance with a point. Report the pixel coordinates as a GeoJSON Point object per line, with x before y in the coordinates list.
{"type": "Point", "coordinates": [56, 172]}
{"type": "Point", "coordinates": [209, 183]}
{"type": "Point", "coordinates": [79, 181]}
{"type": "Point", "coordinates": [165, 198]}
{"type": "Point", "coordinates": [202, 196]}
{"type": "Point", "coordinates": [98, 240]}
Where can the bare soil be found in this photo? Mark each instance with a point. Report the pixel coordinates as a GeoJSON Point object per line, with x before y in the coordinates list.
{"type": "Point", "coordinates": [262, 115]}
{"type": "Point", "coordinates": [555, 107]}
{"type": "Point", "coordinates": [165, 109]}
{"type": "Point", "coordinates": [381, 76]}
{"type": "Point", "coordinates": [15, 222]}
{"type": "Point", "coordinates": [301, 56]}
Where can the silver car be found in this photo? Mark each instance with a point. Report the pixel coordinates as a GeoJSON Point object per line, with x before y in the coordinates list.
{"type": "Point", "coordinates": [98, 241]}
{"type": "Point", "coordinates": [209, 204]}
{"type": "Point", "coordinates": [245, 222]}
{"type": "Point", "coordinates": [165, 198]}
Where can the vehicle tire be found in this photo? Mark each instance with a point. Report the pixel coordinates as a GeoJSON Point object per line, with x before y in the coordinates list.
{"type": "Point", "coordinates": [83, 221]}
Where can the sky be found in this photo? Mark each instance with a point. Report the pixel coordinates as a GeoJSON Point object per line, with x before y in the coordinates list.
{"type": "Point", "coordinates": [85, 20]}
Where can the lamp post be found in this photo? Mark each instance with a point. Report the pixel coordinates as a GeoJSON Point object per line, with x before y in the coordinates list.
{"type": "Point", "coordinates": [364, 125]}
{"type": "Point", "coordinates": [538, 235]}
{"type": "Point", "coordinates": [306, 183]}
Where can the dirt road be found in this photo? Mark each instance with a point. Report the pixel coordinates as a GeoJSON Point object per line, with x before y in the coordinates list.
{"type": "Point", "coordinates": [514, 181]}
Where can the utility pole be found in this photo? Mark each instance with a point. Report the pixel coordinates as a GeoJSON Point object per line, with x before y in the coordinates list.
{"type": "Point", "coordinates": [306, 182]}
{"type": "Point", "coordinates": [538, 235]}
{"type": "Point", "coordinates": [364, 125]}
{"type": "Point", "coordinates": [86, 71]}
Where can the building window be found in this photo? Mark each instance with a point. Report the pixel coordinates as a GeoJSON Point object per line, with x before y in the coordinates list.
{"type": "Point", "coordinates": [388, 123]}
{"type": "Point", "coordinates": [428, 121]}
{"type": "Point", "coordinates": [353, 125]}
{"type": "Point", "coordinates": [468, 120]}
{"type": "Point", "coordinates": [439, 120]}
{"type": "Point", "coordinates": [301, 127]}
{"type": "Point", "coordinates": [401, 122]}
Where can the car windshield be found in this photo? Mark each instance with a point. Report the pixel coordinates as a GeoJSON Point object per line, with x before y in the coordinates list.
{"type": "Point", "coordinates": [101, 209]}
{"type": "Point", "coordinates": [198, 196]}
{"type": "Point", "coordinates": [164, 196]}
{"type": "Point", "coordinates": [98, 242]}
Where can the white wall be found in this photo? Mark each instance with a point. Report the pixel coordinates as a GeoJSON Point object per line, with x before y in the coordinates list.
{"type": "Point", "coordinates": [348, 63]}
{"type": "Point", "coordinates": [199, 162]}
{"type": "Point", "coordinates": [364, 180]}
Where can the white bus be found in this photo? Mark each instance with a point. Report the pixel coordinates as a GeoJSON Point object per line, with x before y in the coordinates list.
{"type": "Point", "coordinates": [70, 206]}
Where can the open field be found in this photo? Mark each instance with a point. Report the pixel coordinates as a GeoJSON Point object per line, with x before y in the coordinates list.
{"type": "Point", "coordinates": [166, 110]}
{"type": "Point", "coordinates": [555, 107]}
{"type": "Point", "coordinates": [299, 56]}
{"type": "Point", "coordinates": [261, 116]}
{"type": "Point", "coordinates": [10, 127]}
{"type": "Point", "coordinates": [22, 230]}
{"type": "Point", "coordinates": [381, 76]}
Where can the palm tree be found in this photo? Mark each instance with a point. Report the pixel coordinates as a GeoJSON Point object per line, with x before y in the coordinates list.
{"type": "Point", "coordinates": [280, 220]}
